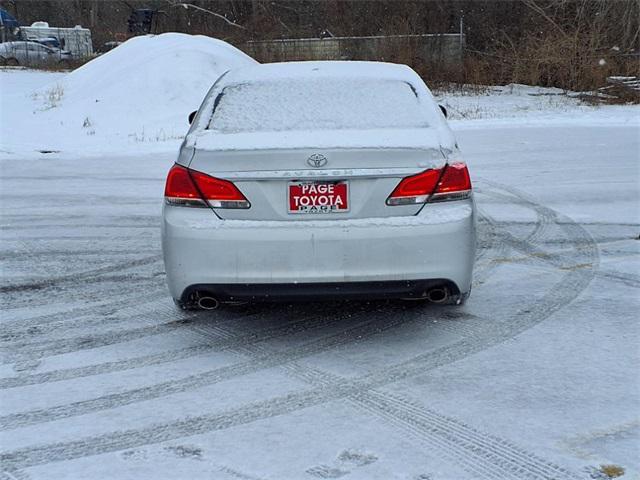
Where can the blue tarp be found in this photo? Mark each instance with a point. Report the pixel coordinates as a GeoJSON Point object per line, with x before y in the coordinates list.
{"type": "Point", "coordinates": [7, 20]}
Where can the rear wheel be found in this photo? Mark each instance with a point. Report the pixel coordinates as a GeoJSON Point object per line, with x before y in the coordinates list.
{"type": "Point", "coordinates": [12, 62]}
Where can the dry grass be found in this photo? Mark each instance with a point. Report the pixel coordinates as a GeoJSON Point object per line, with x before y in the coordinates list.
{"type": "Point", "coordinates": [612, 471]}
{"type": "Point", "coordinates": [51, 97]}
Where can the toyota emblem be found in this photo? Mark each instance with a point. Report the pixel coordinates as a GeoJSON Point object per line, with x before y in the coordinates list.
{"type": "Point", "coordinates": [316, 160]}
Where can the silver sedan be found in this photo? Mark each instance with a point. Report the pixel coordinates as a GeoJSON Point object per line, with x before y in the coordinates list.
{"type": "Point", "coordinates": [32, 54]}
{"type": "Point", "coordinates": [318, 179]}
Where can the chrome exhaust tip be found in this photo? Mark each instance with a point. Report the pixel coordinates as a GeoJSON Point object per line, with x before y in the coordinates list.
{"type": "Point", "coordinates": [208, 303]}
{"type": "Point", "coordinates": [438, 295]}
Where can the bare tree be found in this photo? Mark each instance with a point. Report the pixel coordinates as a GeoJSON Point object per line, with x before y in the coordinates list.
{"type": "Point", "coordinates": [186, 6]}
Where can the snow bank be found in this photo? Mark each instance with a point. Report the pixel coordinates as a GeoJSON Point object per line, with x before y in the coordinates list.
{"type": "Point", "coordinates": [139, 93]}
{"type": "Point", "coordinates": [524, 105]}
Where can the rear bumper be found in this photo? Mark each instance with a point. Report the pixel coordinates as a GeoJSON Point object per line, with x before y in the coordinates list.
{"type": "Point", "coordinates": [232, 292]}
{"type": "Point", "coordinates": [436, 244]}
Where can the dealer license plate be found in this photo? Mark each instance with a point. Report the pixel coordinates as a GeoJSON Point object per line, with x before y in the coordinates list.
{"type": "Point", "coordinates": [318, 197]}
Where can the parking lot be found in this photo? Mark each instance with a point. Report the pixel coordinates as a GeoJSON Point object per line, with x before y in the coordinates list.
{"type": "Point", "coordinates": [533, 378]}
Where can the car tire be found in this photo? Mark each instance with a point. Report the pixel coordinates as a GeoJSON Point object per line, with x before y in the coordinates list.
{"type": "Point", "coordinates": [64, 64]}
{"type": "Point", "coordinates": [12, 62]}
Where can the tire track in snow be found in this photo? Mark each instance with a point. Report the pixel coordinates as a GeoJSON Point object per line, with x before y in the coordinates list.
{"type": "Point", "coordinates": [151, 319]}
{"type": "Point", "coordinates": [73, 317]}
{"type": "Point", "coordinates": [570, 286]}
{"type": "Point", "coordinates": [191, 382]}
{"type": "Point", "coordinates": [455, 447]}
{"type": "Point", "coordinates": [546, 216]}
{"type": "Point", "coordinates": [577, 236]}
{"type": "Point", "coordinates": [626, 278]}
{"type": "Point", "coordinates": [98, 252]}
{"type": "Point", "coordinates": [48, 226]}
{"type": "Point", "coordinates": [136, 282]}
{"type": "Point", "coordinates": [59, 346]}
{"type": "Point", "coordinates": [479, 453]}
{"type": "Point", "coordinates": [217, 340]}
{"type": "Point", "coordinates": [75, 277]}
{"type": "Point", "coordinates": [147, 318]}
{"type": "Point", "coordinates": [92, 318]}
{"type": "Point", "coordinates": [483, 455]}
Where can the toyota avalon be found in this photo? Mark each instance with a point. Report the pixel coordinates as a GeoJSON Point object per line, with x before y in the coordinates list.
{"type": "Point", "coordinates": [318, 179]}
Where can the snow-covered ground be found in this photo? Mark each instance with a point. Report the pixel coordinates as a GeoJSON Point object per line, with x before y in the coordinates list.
{"type": "Point", "coordinates": [504, 105]}
{"type": "Point", "coordinates": [535, 377]}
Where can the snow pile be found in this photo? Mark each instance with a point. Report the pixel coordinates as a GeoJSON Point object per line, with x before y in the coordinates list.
{"type": "Point", "coordinates": [139, 93]}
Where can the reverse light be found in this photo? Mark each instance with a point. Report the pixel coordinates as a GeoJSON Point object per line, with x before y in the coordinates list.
{"type": "Point", "coordinates": [190, 188]}
{"type": "Point", "coordinates": [451, 182]}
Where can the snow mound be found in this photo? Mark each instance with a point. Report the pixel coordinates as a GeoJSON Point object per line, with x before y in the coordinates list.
{"type": "Point", "coordinates": [141, 92]}
{"type": "Point", "coordinates": [164, 72]}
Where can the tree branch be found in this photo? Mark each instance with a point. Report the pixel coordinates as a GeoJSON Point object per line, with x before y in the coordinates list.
{"type": "Point", "coordinates": [201, 9]}
{"type": "Point", "coordinates": [540, 11]}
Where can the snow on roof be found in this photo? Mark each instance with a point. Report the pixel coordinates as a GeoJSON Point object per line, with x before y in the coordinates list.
{"type": "Point", "coordinates": [321, 69]}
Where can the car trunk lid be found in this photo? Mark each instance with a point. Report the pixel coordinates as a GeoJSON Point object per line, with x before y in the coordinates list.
{"type": "Point", "coordinates": [271, 169]}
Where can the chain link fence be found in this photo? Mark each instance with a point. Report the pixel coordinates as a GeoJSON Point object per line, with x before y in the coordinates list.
{"type": "Point", "coordinates": [411, 49]}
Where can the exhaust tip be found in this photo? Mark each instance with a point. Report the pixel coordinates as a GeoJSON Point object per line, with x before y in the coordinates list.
{"type": "Point", "coordinates": [208, 303]}
{"type": "Point", "coordinates": [438, 295]}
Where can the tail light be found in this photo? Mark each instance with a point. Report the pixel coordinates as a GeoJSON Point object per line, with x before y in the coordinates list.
{"type": "Point", "coordinates": [455, 184]}
{"type": "Point", "coordinates": [190, 188]}
{"type": "Point", "coordinates": [450, 182]}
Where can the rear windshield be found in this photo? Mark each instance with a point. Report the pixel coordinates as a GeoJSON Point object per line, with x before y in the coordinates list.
{"type": "Point", "coordinates": [323, 104]}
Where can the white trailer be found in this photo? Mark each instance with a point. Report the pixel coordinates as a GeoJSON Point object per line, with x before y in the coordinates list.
{"type": "Point", "coordinates": [76, 40]}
